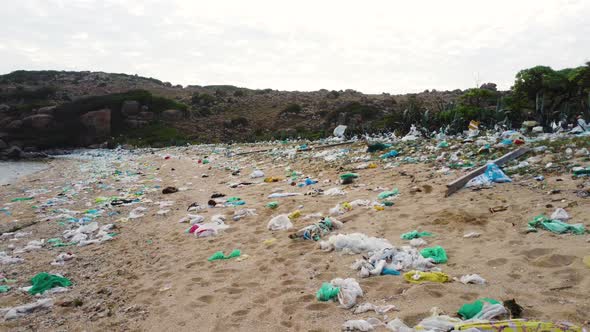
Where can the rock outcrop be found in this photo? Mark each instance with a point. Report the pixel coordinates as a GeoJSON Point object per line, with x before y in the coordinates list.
{"type": "Point", "coordinates": [97, 125]}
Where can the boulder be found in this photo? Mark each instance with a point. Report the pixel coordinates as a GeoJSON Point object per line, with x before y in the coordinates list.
{"type": "Point", "coordinates": [39, 121]}
{"type": "Point", "coordinates": [16, 124]}
{"type": "Point", "coordinates": [132, 123]}
{"type": "Point", "coordinates": [97, 125]}
{"type": "Point", "coordinates": [14, 152]}
{"type": "Point", "coordinates": [172, 114]}
{"type": "Point", "coordinates": [47, 110]}
{"type": "Point", "coordinates": [130, 107]}
{"type": "Point", "coordinates": [146, 116]}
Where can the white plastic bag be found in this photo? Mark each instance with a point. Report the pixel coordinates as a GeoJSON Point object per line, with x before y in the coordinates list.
{"type": "Point", "coordinates": [280, 223]}
{"type": "Point", "coordinates": [472, 279]}
{"type": "Point", "coordinates": [257, 174]}
{"type": "Point", "coordinates": [349, 291]}
{"type": "Point", "coordinates": [560, 214]}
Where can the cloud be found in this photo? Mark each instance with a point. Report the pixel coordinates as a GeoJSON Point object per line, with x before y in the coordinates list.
{"type": "Point", "coordinates": [380, 46]}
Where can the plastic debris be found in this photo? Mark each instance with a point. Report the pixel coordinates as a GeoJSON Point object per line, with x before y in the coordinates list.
{"type": "Point", "coordinates": [415, 234]}
{"type": "Point", "coordinates": [5, 259]}
{"type": "Point", "coordinates": [327, 292]}
{"type": "Point", "coordinates": [43, 282]}
{"type": "Point", "coordinates": [472, 279]}
{"type": "Point", "coordinates": [470, 310]}
{"type": "Point", "coordinates": [560, 214]}
{"type": "Point", "coordinates": [257, 174]}
{"type": "Point", "coordinates": [23, 310]}
{"type": "Point", "coordinates": [555, 226]}
{"type": "Point", "coordinates": [437, 254]}
{"type": "Point", "coordinates": [381, 310]}
{"type": "Point", "coordinates": [220, 255]}
{"type": "Point", "coordinates": [280, 223]}
{"type": "Point", "coordinates": [316, 231]}
{"type": "Point", "coordinates": [361, 324]}
{"type": "Point", "coordinates": [354, 243]}
{"type": "Point", "coordinates": [417, 277]}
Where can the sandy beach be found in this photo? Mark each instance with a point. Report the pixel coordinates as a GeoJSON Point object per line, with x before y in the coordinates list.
{"type": "Point", "coordinates": [153, 276]}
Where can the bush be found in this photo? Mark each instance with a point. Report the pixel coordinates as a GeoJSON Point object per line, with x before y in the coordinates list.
{"type": "Point", "coordinates": [292, 109]}
{"type": "Point", "coordinates": [203, 99]}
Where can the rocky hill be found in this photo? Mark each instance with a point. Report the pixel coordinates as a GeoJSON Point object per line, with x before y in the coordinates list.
{"type": "Point", "coordinates": [48, 109]}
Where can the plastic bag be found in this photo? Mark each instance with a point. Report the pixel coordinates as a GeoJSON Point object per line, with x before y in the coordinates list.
{"type": "Point", "coordinates": [414, 235]}
{"type": "Point", "coordinates": [386, 194]}
{"type": "Point", "coordinates": [470, 310]}
{"type": "Point", "coordinates": [280, 223]}
{"type": "Point", "coordinates": [417, 277]}
{"type": "Point", "coordinates": [495, 174]}
{"type": "Point", "coordinates": [327, 292]}
{"type": "Point", "coordinates": [354, 243]}
{"type": "Point", "coordinates": [362, 308]}
{"type": "Point", "coordinates": [257, 174]}
{"type": "Point", "coordinates": [560, 214]}
{"type": "Point", "coordinates": [361, 324]}
{"type": "Point", "coordinates": [349, 291]}
{"type": "Point", "coordinates": [339, 131]}
{"type": "Point", "coordinates": [472, 279]}
{"type": "Point", "coordinates": [437, 254]}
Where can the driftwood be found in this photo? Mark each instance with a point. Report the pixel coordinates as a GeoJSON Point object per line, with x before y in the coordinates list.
{"type": "Point", "coordinates": [460, 182]}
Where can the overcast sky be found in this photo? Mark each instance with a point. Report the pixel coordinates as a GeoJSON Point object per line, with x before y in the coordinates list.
{"type": "Point", "coordinates": [370, 46]}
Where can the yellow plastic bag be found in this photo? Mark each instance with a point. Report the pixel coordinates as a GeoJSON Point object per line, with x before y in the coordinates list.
{"type": "Point", "coordinates": [519, 325]}
{"type": "Point", "coordinates": [295, 214]}
{"type": "Point", "coordinates": [417, 277]}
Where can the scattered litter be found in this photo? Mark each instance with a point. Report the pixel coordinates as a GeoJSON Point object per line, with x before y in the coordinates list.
{"type": "Point", "coordinates": [43, 282]}
{"type": "Point", "coordinates": [280, 223]}
{"type": "Point", "coordinates": [472, 235]}
{"type": "Point", "coordinates": [23, 310]}
{"type": "Point", "coordinates": [420, 276]}
{"type": "Point", "coordinates": [220, 255]}
{"type": "Point", "coordinates": [436, 254]}
{"type": "Point", "coordinates": [381, 310]}
{"type": "Point", "coordinates": [472, 279]}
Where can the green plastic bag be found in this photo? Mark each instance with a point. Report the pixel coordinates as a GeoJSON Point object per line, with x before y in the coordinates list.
{"type": "Point", "coordinates": [45, 281]}
{"type": "Point", "coordinates": [220, 255]}
{"type": "Point", "coordinates": [327, 292]}
{"type": "Point", "coordinates": [415, 234]}
{"type": "Point", "coordinates": [4, 289]}
{"type": "Point", "coordinates": [386, 194]}
{"type": "Point", "coordinates": [438, 254]}
{"type": "Point", "coordinates": [555, 226]}
{"type": "Point", "coordinates": [21, 199]}
{"type": "Point", "coordinates": [470, 310]}
{"type": "Point", "coordinates": [348, 176]}
{"type": "Point", "coordinates": [272, 205]}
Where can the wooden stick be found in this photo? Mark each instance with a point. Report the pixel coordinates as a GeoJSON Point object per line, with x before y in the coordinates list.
{"type": "Point", "coordinates": [460, 182]}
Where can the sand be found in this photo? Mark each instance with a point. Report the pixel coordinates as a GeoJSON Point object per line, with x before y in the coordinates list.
{"type": "Point", "coordinates": [155, 277]}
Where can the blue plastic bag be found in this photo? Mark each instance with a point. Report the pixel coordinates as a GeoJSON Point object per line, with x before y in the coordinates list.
{"type": "Point", "coordinates": [495, 174]}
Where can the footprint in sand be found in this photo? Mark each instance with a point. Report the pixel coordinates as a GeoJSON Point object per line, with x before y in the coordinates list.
{"type": "Point", "coordinates": [242, 312]}
{"type": "Point", "coordinates": [536, 252]}
{"type": "Point", "coordinates": [260, 300]}
{"type": "Point", "coordinates": [290, 309]}
{"type": "Point", "coordinates": [318, 306]}
{"type": "Point", "coordinates": [206, 298]}
{"type": "Point", "coordinates": [497, 262]}
{"type": "Point", "coordinates": [287, 324]}
{"type": "Point", "coordinates": [554, 260]}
